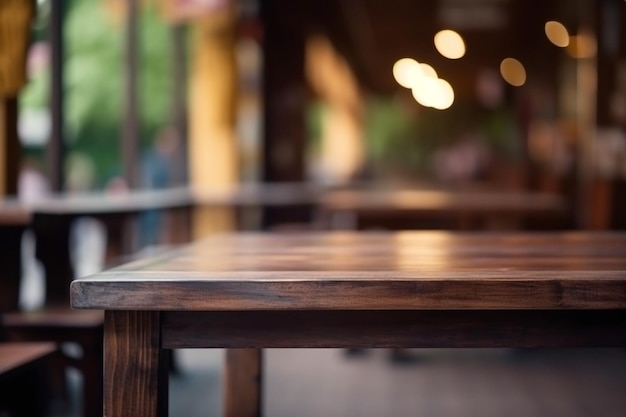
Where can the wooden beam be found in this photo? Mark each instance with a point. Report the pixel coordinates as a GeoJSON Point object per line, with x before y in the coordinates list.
{"type": "Point", "coordinates": [55, 150]}
{"type": "Point", "coordinates": [284, 102]}
{"type": "Point", "coordinates": [178, 36]}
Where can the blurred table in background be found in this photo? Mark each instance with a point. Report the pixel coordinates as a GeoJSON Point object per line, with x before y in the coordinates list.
{"type": "Point", "coordinates": [429, 207]}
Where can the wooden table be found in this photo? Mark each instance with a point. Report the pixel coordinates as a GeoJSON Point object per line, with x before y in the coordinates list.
{"type": "Point", "coordinates": [349, 289]}
{"type": "Point", "coordinates": [431, 207]}
{"type": "Point", "coordinates": [51, 219]}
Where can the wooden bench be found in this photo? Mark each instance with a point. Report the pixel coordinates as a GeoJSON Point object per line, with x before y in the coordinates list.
{"type": "Point", "coordinates": [432, 207]}
{"type": "Point", "coordinates": [24, 378]}
{"type": "Point", "coordinates": [246, 292]}
{"type": "Point", "coordinates": [51, 220]}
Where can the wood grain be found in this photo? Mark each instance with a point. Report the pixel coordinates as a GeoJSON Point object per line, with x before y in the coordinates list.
{"type": "Point", "coordinates": [371, 271]}
{"type": "Point", "coordinates": [242, 383]}
{"type": "Point", "coordinates": [135, 366]}
{"type": "Point", "coordinates": [395, 329]}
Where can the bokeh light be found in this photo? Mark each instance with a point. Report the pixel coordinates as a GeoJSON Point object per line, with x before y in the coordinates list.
{"type": "Point", "coordinates": [407, 72]}
{"type": "Point", "coordinates": [450, 44]}
{"type": "Point", "coordinates": [428, 71]}
{"type": "Point", "coordinates": [434, 92]}
{"type": "Point", "coordinates": [557, 33]}
{"type": "Point", "coordinates": [445, 96]}
{"type": "Point", "coordinates": [513, 72]}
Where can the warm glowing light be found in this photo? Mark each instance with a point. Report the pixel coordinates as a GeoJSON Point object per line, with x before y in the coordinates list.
{"type": "Point", "coordinates": [450, 44]}
{"type": "Point", "coordinates": [582, 46]}
{"type": "Point", "coordinates": [407, 72]}
{"type": "Point", "coordinates": [445, 96]}
{"type": "Point", "coordinates": [427, 88]}
{"type": "Point", "coordinates": [557, 33]}
{"type": "Point", "coordinates": [426, 92]}
{"type": "Point", "coordinates": [434, 92]}
{"type": "Point", "coordinates": [428, 71]}
{"type": "Point", "coordinates": [513, 72]}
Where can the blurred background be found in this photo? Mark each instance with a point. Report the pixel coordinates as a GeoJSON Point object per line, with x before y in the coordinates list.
{"type": "Point", "coordinates": [518, 98]}
{"type": "Point", "coordinates": [520, 94]}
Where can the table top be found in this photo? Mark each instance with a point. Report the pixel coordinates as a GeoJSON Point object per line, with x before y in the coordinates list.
{"type": "Point", "coordinates": [12, 213]}
{"type": "Point", "coordinates": [101, 203]}
{"type": "Point", "coordinates": [441, 200]}
{"type": "Point", "coordinates": [373, 198]}
{"type": "Point", "coordinates": [14, 355]}
{"type": "Point", "coordinates": [370, 271]}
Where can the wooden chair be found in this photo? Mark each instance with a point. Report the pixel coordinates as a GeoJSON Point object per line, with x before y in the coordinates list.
{"type": "Point", "coordinates": [55, 322]}
{"type": "Point", "coordinates": [24, 378]}
{"type": "Point", "coordinates": [24, 367]}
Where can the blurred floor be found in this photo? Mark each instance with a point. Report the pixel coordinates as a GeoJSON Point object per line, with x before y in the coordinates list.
{"type": "Point", "coordinates": [459, 383]}
{"type": "Point", "coordinates": [327, 382]}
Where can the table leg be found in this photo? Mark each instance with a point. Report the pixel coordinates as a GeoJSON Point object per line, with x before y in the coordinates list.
{"type": "Point", "coordinates": [11, 267]}
{"type": "Point", "coordinates": [118, 239]}
{"type": "Point", "coordinates": [243, 383]}
{"type": "Point", "coordinates": [52, 235]}
{"type": "Point", "coordinates": [135, 366]}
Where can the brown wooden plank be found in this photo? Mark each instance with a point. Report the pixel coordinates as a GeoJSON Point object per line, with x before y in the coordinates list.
{"type": "Point", "coordinates": [489, 201]}
{"type": "Point", "coordinates": [24, 378]}
{"type": "Point", "coordinates": [390, 294]}
{"type": "Point", "coordinates": [13, 213]}
{"type": "Point", "coordinates": [15, 356]}
{"type": "Point", "coordinates": [410, 270]}
{"type": "Point", "coordinates": [96, 204]}
{"type": "Point", "coordinates": [243, 383]}
{"type": "Point", "coordinates": [395, 329]}
{"type": "Point", "coordinates": [135, 367]}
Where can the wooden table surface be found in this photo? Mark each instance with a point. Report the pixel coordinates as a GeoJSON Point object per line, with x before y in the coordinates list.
{"type": "Point", "coordinates": [479, 199]}
{"type": "Point", "coordinates": [349, 289]}
{"type": "Point", "coordinates": [464, 208]}
{"type": "Point", "coordinates": [346, 270]}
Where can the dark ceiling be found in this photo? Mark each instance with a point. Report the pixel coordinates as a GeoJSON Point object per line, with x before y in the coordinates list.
{"type": "Point", "coordinates": [373, 34]}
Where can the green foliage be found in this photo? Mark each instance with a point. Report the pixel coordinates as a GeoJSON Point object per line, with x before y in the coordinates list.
{"type": "Point", "coordinates": [394, 137]}
{"type": "Point", "coordinates": [94, 82]}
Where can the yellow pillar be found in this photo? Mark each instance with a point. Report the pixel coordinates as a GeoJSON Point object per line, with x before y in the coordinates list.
{"type": "Point", "coordinates": [15, 19]}
{"type": "Point", "coordinates": [212, 151]}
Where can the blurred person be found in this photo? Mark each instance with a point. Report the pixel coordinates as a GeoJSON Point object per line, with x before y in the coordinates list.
{"type": "Point", "coordinates": [158, 171]}
{"type": "Point", "coordinates": [32, 186]}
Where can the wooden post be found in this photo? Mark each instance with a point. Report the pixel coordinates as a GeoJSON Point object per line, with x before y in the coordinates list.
{"type": "Point", "coordinates": [179, 97]}
{"type": "Point", "coordinates": [56, 144]}
{"type": "Point", "coordinates": [284, 101]}
{"type": "Point", "coordinates": [243, 383]}
{"type": "Point", "coordinates": [598, 199]}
